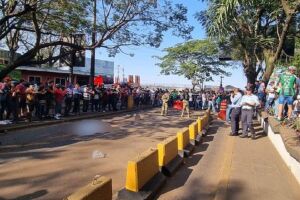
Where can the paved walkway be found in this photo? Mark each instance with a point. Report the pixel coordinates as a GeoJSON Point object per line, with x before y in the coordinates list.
{"type": "Point", "coordinates": [232, 168]}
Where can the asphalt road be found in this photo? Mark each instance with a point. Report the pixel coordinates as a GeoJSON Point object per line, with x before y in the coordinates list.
{"type": "Point", "coordinates": [53, 161]}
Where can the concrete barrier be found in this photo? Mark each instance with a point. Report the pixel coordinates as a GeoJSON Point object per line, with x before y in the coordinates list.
{"type": "Point", "coordinates": [193, 132]}
{"type": "Point", "coordinates": [168, 158]}
{"type": "Point", "coordinates": [205, 122]}
{"type": "Point", "coordinates": [143, 178]}
{"type": "Point", "coordinates": [185, 148]}
{"type": "Point", "coordinates": [100, 188]}
{"type": "Point", "coordinates": [200, 123]}
{"type": "Point", "coordinates": [291, 162]}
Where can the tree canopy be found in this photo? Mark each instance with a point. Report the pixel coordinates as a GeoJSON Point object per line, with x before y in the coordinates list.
{"type": "Point", "coordinates": [197, 60]}
{"type": "Point", "coordinates": [254, 31]}
{"type": "Point", "coordinates": [35, 26]}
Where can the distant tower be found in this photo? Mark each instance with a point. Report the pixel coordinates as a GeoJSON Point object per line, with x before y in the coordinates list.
{"type": "Point", "coordinates": [118, 78]}
{"type": "Point", "coordinates": [123, 75]}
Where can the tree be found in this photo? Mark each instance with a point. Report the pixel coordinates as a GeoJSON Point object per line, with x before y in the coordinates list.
{"type": "Point", "coordinates": [257, 30]}
{"type": "Point", "coordinates": [197, 60]}
{"type": "Point", "coordinates": [43, 24]}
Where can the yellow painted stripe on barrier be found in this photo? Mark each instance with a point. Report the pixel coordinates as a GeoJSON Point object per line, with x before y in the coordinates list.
{"type": "Point", "coordinates": [200, 121]}
{"type": "Point", "coordinates": [183, 138]}
{"type": "Point", "coordinates": [192, 131]}
{"type": "Point", "coordinates": [167, 151]}
{"type": "Point", "coordinates": [100, 188]}
{"type": "Point", "coordinates": [141, 170]}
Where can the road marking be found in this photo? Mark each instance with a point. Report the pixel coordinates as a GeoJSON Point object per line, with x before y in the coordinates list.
{"type": "Point", "coordinates": [221, 192]}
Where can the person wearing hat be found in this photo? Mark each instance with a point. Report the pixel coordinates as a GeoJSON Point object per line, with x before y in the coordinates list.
{"type": "Point", "coordinates": [287, 86]}
{"type": "Point", "coordinates": [248, 104]}
{"type": "Point", "coordinates": [185, 103]}
{"type": "Point", "coordinates": [165, 99]}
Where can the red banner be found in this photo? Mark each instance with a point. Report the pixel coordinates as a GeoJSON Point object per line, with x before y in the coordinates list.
{"type": "Point", "coordinates": [98, 80]}
{"type": "Point", "coordinates": [178, 105]}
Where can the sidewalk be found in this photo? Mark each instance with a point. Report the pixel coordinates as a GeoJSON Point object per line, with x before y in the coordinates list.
{"type": "Point", "coordinates": [232, 168]}
{"type": "Point", "coordinates": [88, 115]}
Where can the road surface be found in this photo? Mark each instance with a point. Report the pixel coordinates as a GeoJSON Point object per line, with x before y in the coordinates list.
{"type": "Point", "coordinates": [52, 162]}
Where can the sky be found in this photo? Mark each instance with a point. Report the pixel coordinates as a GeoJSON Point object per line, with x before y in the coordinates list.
{"type": "Point", "coordinates": [143, 63]}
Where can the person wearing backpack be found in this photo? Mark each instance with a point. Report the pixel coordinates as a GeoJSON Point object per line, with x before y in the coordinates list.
{"type": "Point", "coordinates": [287, 86]}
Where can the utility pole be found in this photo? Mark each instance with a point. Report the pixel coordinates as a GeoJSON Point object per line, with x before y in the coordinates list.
{"type": "Point", "coordinates": [93, 56]}
{"type": "Point", "coordinates": [221, 81]}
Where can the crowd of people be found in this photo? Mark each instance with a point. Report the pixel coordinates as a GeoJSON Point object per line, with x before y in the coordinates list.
{"type": "Point", "coordinates": [26, 101]}
{"type": "Point", "coordinates": [23, 101]}
{"type": "Point", "coordinates": [281, 97]}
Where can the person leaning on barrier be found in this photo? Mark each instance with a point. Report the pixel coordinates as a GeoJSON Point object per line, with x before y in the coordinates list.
{"type": "Point", "coordinates": [248, 103]}
{"type": "Point", "coordinates": [185, 103]}
{"type": "Point", "coordinates": [165, 99]}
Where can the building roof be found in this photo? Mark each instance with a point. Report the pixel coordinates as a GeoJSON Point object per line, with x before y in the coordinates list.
{"type": "Point", "coordinates": [55, 70]}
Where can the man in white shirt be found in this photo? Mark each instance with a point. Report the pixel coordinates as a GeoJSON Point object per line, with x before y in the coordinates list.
{"type": "Point", "coordinates": [236, 111]}
{"type": "Point", "coordinates": [248, 103]}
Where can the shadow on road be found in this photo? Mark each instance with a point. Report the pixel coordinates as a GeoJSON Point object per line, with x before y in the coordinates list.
{"type": "Point", "coordinates": [184, 172]}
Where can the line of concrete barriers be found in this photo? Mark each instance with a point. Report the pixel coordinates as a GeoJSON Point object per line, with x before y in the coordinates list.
{"type": "Point", "coordinates": [148, 171]}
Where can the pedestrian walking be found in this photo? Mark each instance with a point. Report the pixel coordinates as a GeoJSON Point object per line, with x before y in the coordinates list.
{"type": "Point", "coordinates": [165, 99]}
{"type": "Point", "coordinates": [248, 103]}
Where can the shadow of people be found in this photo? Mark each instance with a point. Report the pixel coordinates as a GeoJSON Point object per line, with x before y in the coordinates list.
{"type": "Point", "coordinates": [30, 196]}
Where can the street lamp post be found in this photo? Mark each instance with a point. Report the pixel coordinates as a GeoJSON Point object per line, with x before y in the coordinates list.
{"type": "Point", "coordinates": [221, 81]}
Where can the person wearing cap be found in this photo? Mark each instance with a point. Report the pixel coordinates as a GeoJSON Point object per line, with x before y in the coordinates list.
{"type": "Point", "coordinates": [287, 86]}
{"type": "Point", "coordinates": [235, 106]}
{"type": "Point", "coordinates": [248, 103]}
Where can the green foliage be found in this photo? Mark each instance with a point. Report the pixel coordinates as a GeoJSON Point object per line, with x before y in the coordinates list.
{"type": "Point", "coordinates": [33, 26]}
{"type": "Point", "coordinates": [251, 29]}
{"type": "Point", "coordinates": [15, 75]}
{"type": "Point", "coordinates": [196, 60]}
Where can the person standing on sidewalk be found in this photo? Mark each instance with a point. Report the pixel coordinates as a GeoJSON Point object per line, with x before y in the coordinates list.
{"type": "Point", "coordinates": [248, 103]}
{"type": "Point", "coordinates": [86, 98]}
{"type": "Point", "coordinates": [235, 106]}
{"type": "Point", "coordinates": [76, 96]}
{"type": "Point", "coordinates": [165, 99]}
{"type": "Point", "coordinates": [68, 99]}
{"type": "Point", "coordinates": [287, 85]}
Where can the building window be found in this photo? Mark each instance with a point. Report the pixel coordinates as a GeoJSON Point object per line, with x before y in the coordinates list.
{"type": "Point", "coordinates": [34, 79]}
{"type": "Point", "coordinates": [60, 81]}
